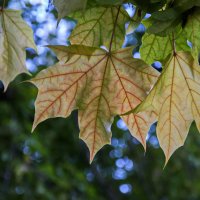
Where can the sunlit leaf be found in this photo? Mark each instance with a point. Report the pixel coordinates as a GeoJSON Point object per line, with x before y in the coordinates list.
{"type": "Point", "coordinates": [95, 27]}
{"type": "Point", "coordinates": [176, 100]}
{"type": "Point", "coordinates": [15, 36]}
{"type": "Point", "coordinates": [100, 86]}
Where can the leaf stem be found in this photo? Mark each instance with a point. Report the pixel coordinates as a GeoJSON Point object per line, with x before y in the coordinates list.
{"type": "Point", "coordinates": [173, 43]}
{"type": "Point", "coordinates": [113, 33]}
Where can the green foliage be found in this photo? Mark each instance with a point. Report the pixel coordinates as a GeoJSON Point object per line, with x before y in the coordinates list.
{"type": "Point", "coordinates": [156, 48]}
{"type": "Point", "coordinates": [98, 20]}
{"type": "Point", "coordinates": [192, 29]}
{"type": "Point", "coordinates": [66, 7]}
{"type": "Point", "coordinates": [163, 22]}
{"type": "Point", "coordinates": [149, 6]}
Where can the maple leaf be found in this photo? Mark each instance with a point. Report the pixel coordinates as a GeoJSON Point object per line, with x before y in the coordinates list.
{"type": "Point", "coordinates": [176, 100]}
{"type": "Point", "coordinates": [100, 85]}
{"type": "Point", "coordinates": [95, 27]}
{"type": "Point", "coordinates": [15, 36]}
{"type": "Point", "coordinates": [65, 7]}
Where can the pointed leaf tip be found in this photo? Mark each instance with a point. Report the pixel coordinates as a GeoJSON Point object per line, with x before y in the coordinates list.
{"type": "Point", "coordinates": [179, 80]}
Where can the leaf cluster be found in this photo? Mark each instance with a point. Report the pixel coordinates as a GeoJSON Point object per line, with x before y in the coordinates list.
{"type": "Point", "coordinates": [98, 76]}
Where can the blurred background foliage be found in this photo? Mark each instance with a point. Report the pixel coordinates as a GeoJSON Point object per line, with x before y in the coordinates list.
{"type": "Point", "coordinates": [52, 163]}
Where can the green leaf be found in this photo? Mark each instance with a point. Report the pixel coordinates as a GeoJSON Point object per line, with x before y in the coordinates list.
{"type": "Point", "coordinates": [163, 27]}
{"type": "Point", "coordinates": [106, 85]}
{"type": "Point", "coordinates": [184, 5]}
{"type": "Point", "coordinates": [15, 36]}
{"type": "Point", "coordinates": [66, 7]}
{"type": "Point", "coordinates": [192, 29]}
{"type": "Point", "coordinates": [65, 54]}
{"type": "Point", "coordinates": [149, 6]}
{"type": "Point", "coordinates": [109, 2]}
{"type": "Point", "coordinates": [163, 22]}
{"type": "Point", "coordinates": [95, 3]}
{"type": "Point", "coordinates": [156, 48]}
{"type": "Point", "coordinates": [95, 27]}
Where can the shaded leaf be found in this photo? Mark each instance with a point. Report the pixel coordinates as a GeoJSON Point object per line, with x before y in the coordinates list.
{"type": "Point", "coordinates": [149, 6]}
{"type": "Point", "coordinates": [164, 21]}
{"type": "Point", "coordinates": [163, 28]}
{"type": "Point", "coordinates": [109, 2]}
{"type": "Point", "coordinates": [192, 29]}
{"type": "Point", "coordinates": [66, 7]}
{"type": "Point", "coordinates": [15, 36]}
{"type": "Point", "coordinates": [101, 87]}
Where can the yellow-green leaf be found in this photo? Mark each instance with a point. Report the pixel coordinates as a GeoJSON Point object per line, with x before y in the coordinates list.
{"type": "Point", "coordinates": [176, 100]}
{"type": "Point", "coordinates": [15, 36]}
{"type": "Point", "coordinates": [100, 86]}
{"type": "Point", "coordinates": [156, 48]}
{"type": "Point", "coordinates": [192, 29]}
{"type": "Point", "coordinates": [95, 27]}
